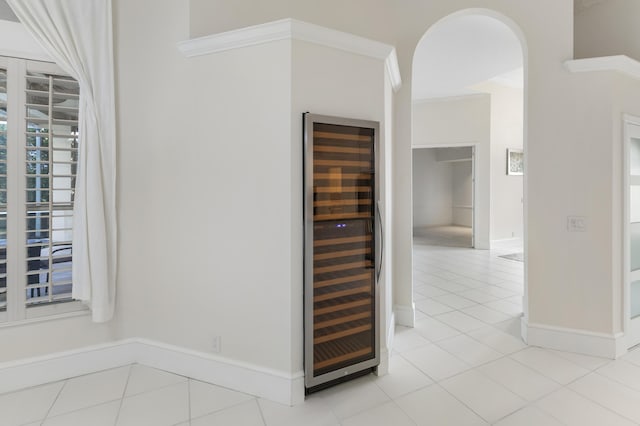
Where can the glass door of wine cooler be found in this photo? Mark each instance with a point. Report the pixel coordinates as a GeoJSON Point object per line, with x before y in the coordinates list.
{"type": "Point", "coordinates": [341, 250]}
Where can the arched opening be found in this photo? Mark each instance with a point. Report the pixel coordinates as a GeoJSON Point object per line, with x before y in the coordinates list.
{"type": "Point", "coordinates": [469, 174]}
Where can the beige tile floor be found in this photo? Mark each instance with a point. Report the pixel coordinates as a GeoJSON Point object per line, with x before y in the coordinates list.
{"type": "Point", "coordinates": [463, 364]}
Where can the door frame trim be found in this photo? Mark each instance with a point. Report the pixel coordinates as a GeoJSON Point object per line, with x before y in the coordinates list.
{"type": "Point", "coordinates": [627, 121]}
{"type": "Point", "coordinates": [474, 198]}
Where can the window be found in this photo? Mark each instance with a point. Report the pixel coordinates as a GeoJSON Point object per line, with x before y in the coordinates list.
{"type": "Point", "coordinates": [38, 163]}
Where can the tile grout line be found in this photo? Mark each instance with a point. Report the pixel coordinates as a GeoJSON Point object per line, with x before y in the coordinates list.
{"type": "Point", "coordinates": [82, 408]}
{"type": "Point", "coordinates": [224, 408]}
{"type": "Point", "coordinates": [598, 402]}
{"type": "Point", "coordinates": [264, 421]}
{"type": "Point", "coordinates": [465, 333]}
{"type": "Point", "coordinates": [568, 389]}
{"type": "Point", "coordinates": [64, 383]}
{"type": "Point", "coordinates": [393, 400]}
{"type": "Point", "coordinates": [124, 391]}
{"type": "Point", "coordinates": [189, 399]}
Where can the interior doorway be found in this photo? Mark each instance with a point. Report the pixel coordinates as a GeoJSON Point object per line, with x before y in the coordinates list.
{"type": "Point", "coordinates": [468, 89]}
{"type": "Point", "coordinates": [443, 196]}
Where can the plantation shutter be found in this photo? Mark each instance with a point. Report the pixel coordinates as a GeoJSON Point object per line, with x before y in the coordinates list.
{"type": "Point", "coordinates": [51, 154]}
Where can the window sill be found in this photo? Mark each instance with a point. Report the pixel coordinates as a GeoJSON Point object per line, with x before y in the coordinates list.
{"type": "Point", "coordinates": [50, 313]}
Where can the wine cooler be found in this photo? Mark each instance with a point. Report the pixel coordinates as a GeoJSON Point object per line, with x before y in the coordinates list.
{"type": "Point", "coordinates": [343, 244]}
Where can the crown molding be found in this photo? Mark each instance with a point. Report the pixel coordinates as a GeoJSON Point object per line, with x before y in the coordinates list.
{"type": "Point", "coordinates": [619, 63]}
{"type": "Point", "coordinates": [291, 29]}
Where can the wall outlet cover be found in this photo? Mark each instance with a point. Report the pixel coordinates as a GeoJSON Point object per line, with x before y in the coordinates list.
{"type": "Point", "coordinates": [216, 344]}
{"type": "Point", "coordinates": [576, 223]}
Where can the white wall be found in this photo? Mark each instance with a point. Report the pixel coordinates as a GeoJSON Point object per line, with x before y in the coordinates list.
{"type": "Point", "coordinates": [498, 123]}
{"type": "Point", "coordinates": [608, 28]}
{"type": "Point", "coordinates": [573, 287]}
{"type": "Point", "coordinates": [32, 339]}
{"type": "Point", "coordinates": [506, 133]}
{"type": "Point", "coordinates": [432, 190]}
{"type": "Point", "coordinates": [553, 190]}
{"type": "Point", "coordinates": [453, 154]}
{"type": "Point", "coordinates": [333, 82]}
{"type": "Point", "coordinates": [17, 42]}
{"type": "Point", "coordinates": [205, 191]}
{"type": "Point", "coordinates": [460, 121]}
{"type": "Point", "coordinates": [462, 191]}
{"type": "Point", "coordinates": [192, 244]}
{"type": "Point", "coordinates": [212, 231]}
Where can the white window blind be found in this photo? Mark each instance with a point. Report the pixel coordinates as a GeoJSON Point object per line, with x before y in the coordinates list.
{"type": "Point", "coordinates": [51, 163]}
{"type": "Point", "coordinates": [38, 163]}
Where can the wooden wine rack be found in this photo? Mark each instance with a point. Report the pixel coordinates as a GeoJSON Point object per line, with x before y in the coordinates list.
{"type": "Point", "coordinates": [343, 246]}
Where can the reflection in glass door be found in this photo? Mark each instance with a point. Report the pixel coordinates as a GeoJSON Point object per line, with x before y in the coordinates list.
{"type": "Point", "coordinates": [632, 225]}
{"type": "Point", "coordinates": [342, 259]}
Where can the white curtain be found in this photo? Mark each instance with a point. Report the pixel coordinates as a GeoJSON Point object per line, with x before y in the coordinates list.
{"type": "Point", "coordinates": [79, 37]}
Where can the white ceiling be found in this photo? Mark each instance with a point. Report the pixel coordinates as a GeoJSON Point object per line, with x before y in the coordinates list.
{"type": "Point", "coordinates": [463, 51]}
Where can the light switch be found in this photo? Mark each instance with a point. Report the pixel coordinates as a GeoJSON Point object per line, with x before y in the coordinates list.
{"type": "Point", "coordinates": [576, 224]}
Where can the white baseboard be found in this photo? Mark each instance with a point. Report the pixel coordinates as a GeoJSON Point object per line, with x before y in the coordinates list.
{"type": "Point", "coordinates": [252, 379]}
{"type": "Point", "coordinates": [15, 375]}
{"type": "Point", "coordinates": [405, 315]}
{"type": "Point", "coordinates": [383, 367]}
{"type": "Point", "coordinates": [572, 340]}
{"type": "Point", "coordinates": [255, 380]}
{"type": "Point", "coordinates": [391, 333]}
{"type": "Point", "coordinates": [506, 240]}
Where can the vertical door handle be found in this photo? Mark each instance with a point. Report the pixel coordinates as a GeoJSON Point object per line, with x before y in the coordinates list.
{"type": "Point", "coordinates": [379, 265]}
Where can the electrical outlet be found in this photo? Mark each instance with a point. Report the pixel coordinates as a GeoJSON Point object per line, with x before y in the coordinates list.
{"type": "Point", "coordinates": [216, 344]}
{"type": "Point", "coordinates": [576, 224]}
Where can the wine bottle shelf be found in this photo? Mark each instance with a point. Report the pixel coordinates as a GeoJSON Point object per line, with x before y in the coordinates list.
{"type": "Point", "coordinates": [342, 150]}
{"type": "Point", "coordinates": [346, 331]}
{"type": "Point", "coordinates": [349, 291]}
{"type": "Point", "coordinates": [347, 240]}
{"type": "Point", "coordinates": [343, 216]}
{"type": "Point", "coordinates": [362, 175]}
{"type": "Point", "coordinates": [342, 202]}
{"type": "Point", "coordinates": [342, 280]}
{"type": "Point", "coordinates": [343, 253]}
{"type": "Point", "coordinates": [343, 267]}
{"type": "Point", "coordinates": [340, 351]}
{"type": "Point", "coordinates": [342, 163]}
{"type": "Point", "coordinates": [334, 136]}
{"type": "Point", "coordinates": [341, 307]}
{"type": "Point", "coordinates": [341, 319]}
{"type": "Point", "coordinates": [340, 213]}
{"type": "Point", "coordinates": [344, 189]}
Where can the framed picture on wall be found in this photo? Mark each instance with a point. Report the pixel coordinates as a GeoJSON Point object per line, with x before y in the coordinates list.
{"type": "Point", "coordinates": [515, 162]}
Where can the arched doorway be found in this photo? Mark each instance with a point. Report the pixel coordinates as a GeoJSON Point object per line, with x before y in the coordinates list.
{"type": "Point", "coordinates": [469, 90]}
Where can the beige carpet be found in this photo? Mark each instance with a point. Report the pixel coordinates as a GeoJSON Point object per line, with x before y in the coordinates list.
{"type": "Point", "coordinates": [449, 236]}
